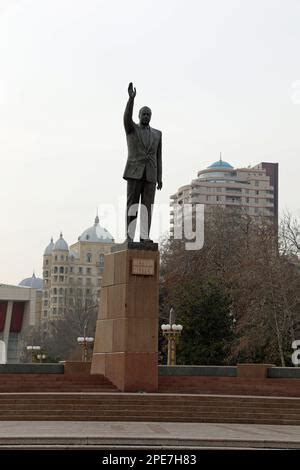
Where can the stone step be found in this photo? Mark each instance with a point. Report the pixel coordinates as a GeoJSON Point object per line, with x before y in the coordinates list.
{"type": "Point", "coordinates": [143, 398]}
{"type": "Point", "coordinates": [134, 402]}
{"type": "Point", "coordinates": [59, 417]}
{"type": "Point", "coordinates": [229, 385]}
{"type": "Point", "coordinates": [195, 413]}
{"type": "Point", "coordinates": [151, 414]}
{"type": "Point", "coordinates": [73, 404]}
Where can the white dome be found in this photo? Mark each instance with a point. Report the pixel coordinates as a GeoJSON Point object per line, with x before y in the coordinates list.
{"type": "Point", "coordinates": [49, 248]}
{"type": "Point", "coordinates": [33, 282]}
{"type": "Point", "coordinates": [61, 244]}
{"type": "Point", "coordinates": [96, 233]}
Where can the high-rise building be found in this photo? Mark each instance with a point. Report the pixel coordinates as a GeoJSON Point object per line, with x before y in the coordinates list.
{"type": "Point", "coordinates": [73, 271]}
{"type": "Point", "coordinates": [255, 189]}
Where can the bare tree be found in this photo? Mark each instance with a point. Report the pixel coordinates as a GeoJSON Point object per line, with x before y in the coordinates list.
{"type": "Point", "coordinates": [78, 319]}
{"type": "Point", "coordinates": [242, 254]}
{"type": "Point", "coordinates": [289, 234]}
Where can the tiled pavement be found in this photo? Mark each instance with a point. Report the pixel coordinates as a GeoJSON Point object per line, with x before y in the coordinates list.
{"type": "Point", "coordinates": [97, 435]}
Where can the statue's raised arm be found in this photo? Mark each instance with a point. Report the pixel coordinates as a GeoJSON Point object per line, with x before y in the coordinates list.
{"type": "Point", "coordinates": [128, 122]}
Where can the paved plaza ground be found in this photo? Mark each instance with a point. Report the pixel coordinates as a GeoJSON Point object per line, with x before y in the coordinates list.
{"type": "Point", "coordinates": [97, 435]}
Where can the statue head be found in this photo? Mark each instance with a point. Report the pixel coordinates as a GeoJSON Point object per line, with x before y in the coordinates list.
{"type": "Point", "coordinates": [145, 116]}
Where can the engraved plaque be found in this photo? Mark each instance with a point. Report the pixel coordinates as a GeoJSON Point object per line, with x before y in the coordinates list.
{"type": "Point", "coordinates": [142, 267]}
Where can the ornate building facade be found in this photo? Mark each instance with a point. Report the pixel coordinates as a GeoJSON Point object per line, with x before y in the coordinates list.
{"type": "Point", "coordinates": [73, 272]}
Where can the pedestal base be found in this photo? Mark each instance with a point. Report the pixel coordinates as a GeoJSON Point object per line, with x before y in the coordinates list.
{"type": "Point", "coordinates": [126, 341]}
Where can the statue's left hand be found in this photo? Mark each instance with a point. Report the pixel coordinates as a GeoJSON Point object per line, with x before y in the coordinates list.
{"type": "Point", "coordinates": [159, 185]}
{"type": "Point", "coordinates": [131, 91]}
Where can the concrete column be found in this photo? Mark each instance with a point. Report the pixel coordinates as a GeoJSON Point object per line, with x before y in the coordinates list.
{"type": "Point", "coordinates": [7, 324]}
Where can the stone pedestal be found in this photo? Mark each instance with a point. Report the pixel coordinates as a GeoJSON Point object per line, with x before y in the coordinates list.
{"type": "Point", "coordinates": [126, 340]}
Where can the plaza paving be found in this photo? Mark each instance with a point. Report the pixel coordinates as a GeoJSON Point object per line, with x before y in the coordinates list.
{"type": "Point", "coordinates": [97, 435]}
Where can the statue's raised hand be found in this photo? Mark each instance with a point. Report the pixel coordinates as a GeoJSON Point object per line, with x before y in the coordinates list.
{"type": "Point", "coordinates": [131, 91]}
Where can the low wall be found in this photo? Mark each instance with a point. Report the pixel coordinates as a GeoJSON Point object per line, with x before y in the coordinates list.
{"type": "Point", "coordinates": [31, 368]}
{"type": "Point", "coordinates": [284, 373]}
{"type": "Point", "coordinates": [202, 371]}
{"type": "Point", "coordinates": [242, 370]}
{"type": "Point", "coordinates": [171, 371]}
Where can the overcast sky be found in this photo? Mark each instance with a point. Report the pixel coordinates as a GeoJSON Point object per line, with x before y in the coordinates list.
{"type": "Point", "coordinates": [218, 75]}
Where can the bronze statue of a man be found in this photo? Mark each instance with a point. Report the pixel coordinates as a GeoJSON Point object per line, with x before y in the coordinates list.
{"type": "Point", "coordinates": [143, 170]}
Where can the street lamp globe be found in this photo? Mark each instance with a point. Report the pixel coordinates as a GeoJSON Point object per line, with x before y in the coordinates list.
{"type": "Point", "coordinates": [171, 330]}
{"type": "Point", "coordinates": [85, 341]}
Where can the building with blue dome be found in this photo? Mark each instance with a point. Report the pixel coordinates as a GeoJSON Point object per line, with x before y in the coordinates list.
{"type": "Point", "coordinates": [220, 164]}
{"type": "Point", "coordinates": [73, 271]}
{"type": "Point", "coordinates": [255, 189]}
{"type": "Point", "coordinates": [33, 282]}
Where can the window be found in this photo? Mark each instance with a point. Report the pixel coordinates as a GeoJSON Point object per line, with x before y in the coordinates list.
{"type": "Point", "coordinates": [219, 190]}
{"type": "Point", "coordinates": [61, 270]}
{"type": "Point", "coordinates": [71, 269]}
{"type": "Point", "coordinates": [71, 290]}
{"type": "Point", "coordinates": [89, 257]}
{"type": "Point", "coordinates": [88, 270]}
{"type": "Point", "coordinates": [257, 192]}
{"type": "Point", "coordinates": [55, 278]}
{"type": "Point", "coordinates": [45, 302]}
{"type": "Point", "coordinates": [46, 273]}
{"type": "Point", "coordinates": [79, 280]}
{"type": "Point", "coordinates": [80, 270]}
{"type": "Point", "coordinates": [55, 291]}
{"type": "Point", "coordinates": [88, 291]}
{"type": "Point", "coordinates": [236, 190]}
{"type": "Point", "coordinates": [54, 310]}
{"type": "Point", "coordinates": [247, 199]}
{"type": "Point", "coordinates": [47, 262]}
{"type": "Point", "coordinates": [218, 198]}
{"type": "Point", "coordinates": [62, 257]}
{"type": "Point", "coordinates": [61, 278]}
{"type": "Point", "coordinates": [55, 258]}
{"type": "Point", "coordinates": [256, 183]}
{"type": "Point", "coordinates": [61, 291]}
{"type": "Point", "coordinates": [101, 260]}
{"type": "Point", "coordinates": [55, 269]}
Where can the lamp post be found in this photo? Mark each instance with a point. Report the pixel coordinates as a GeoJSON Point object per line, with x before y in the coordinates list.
{"type": "Point", "coordinates": [171, 331]}
{"type": "Point", "coordinates": [41, 357]}
{"type": "Point", "coordinates": [33, 349]}
{"type": "Point", "coordinates": [85, 341]}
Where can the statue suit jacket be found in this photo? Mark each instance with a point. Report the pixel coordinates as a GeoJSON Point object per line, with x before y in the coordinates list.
{"type": "Point", "coordinates": [141, 157]}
